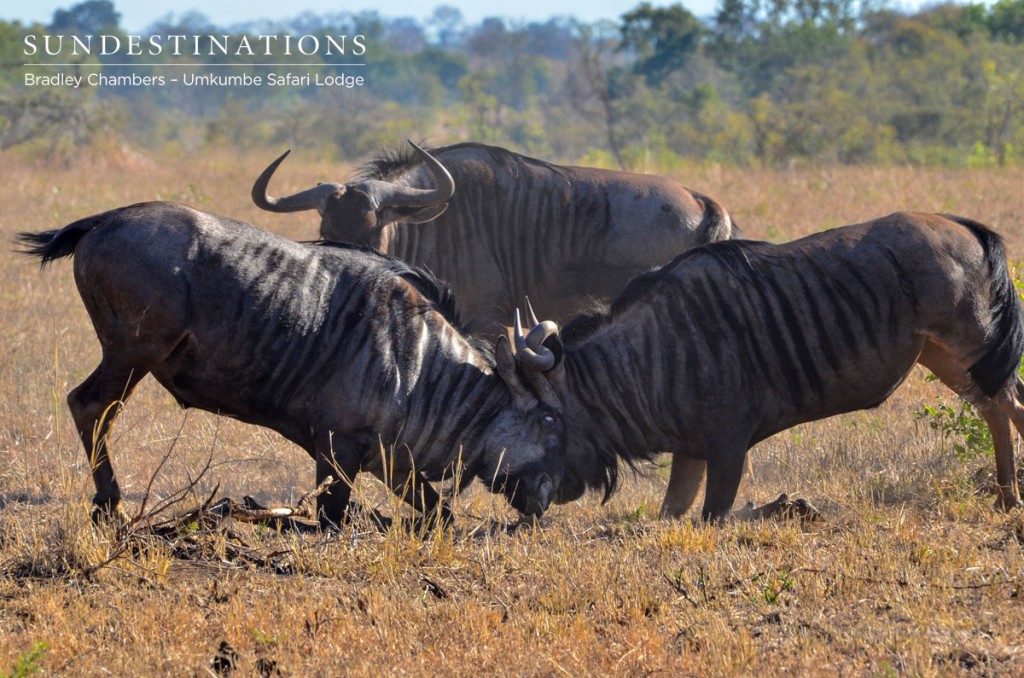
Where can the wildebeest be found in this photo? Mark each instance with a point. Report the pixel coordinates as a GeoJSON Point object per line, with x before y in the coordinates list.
{"type": "Point", "coordinates": [735, 341]}
{"type": "Point", "coordinates": [340, 349]}
{"type": "Point", "coordinates": [514, 225]}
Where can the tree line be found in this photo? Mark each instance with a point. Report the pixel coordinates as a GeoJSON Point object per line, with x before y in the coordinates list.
{"type": "Point", "coordinates": [761, 82]}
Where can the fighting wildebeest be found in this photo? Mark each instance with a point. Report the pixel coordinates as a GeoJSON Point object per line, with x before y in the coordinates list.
{"type": "Point", "coordinates": [735, 341]}
{"type": "Point", "coordinates": [513, 226]}
{"type": "Point", "coordinates": [339, 349]}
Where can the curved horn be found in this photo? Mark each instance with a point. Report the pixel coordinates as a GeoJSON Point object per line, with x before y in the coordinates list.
{"type": "Point", "coordinates": [392, 195]}
{"type": "Point", "coordinates": [529, 351]}
{"type": "Point", "coordinates": [539, 331]}
{"type": "Point", "coordinates": [310, 199]}
{"type": "Point", "coordinates": [531, 316]}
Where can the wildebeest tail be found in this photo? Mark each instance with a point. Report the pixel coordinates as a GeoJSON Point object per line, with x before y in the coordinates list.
{"type": "Point", "coordinates": [58, 243]}
{"type": "Point", "coordinates": [1006, 345]}
{"type": "Point", "coordinates": [716, 224]}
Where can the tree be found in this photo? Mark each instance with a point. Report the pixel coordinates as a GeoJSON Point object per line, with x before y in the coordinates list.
{"type": "Point", "coordinates": [89, 18]}
{"type": "Point", "coordinates": [663, 39]}
{"type": "Point", "coordinates": [591, 78]}
{"type": "Point", "coordinates": [481, 105]}
{"type": "Point", "coordinates": [405, 35]}
{"type": "Point", "coordinates": [1006, 20]}
{"type": "Point", "coordinates": [963, 20]}
{"type": "Point", "coordinates": [742, 19]}
{"type": "Point", "coordinates": [492, 40]}
{"type": "Point", "coordinates": [188, 23]}
{"type": "Point", "coordinates": [446, 21]}
{"type": "Point", "coordinates": [1003, 102]}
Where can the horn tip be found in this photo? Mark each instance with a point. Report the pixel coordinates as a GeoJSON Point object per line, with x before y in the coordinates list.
{"type": "Point", "coordinates": [531, 315]}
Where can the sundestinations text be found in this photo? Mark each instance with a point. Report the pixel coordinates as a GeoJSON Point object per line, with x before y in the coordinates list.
{"type": "Point", "coordinates": [194, 45]}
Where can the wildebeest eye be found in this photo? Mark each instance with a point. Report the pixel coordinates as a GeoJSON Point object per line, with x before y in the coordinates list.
{"type": "Point", "coordinates": [549, 420]}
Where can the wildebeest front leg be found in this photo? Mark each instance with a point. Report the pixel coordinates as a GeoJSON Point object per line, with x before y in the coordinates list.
{"type": "Point", "coordinates": [94, 405]}
{"type": "Point", "coordinates": [725, 470]}
{"type": "Point", "coordinates": [340, 460]}
{"type": "Point", "coordinates": [416, 491]}
{"type": "Point", "coordinates": [683, 484]}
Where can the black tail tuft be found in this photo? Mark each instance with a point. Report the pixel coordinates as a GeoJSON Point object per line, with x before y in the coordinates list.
{"type": "Point", "coordinates": [716, 224]}
{"type": "Point", "coordinates": [1006, 345]}
{"type": "Point", "coordinates": [37, 245]}
{"type": "Point", "coordinates": [52, 245]}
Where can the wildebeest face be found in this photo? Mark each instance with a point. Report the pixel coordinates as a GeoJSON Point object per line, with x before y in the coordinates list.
{"type": "Point", "coordinates": [525, 457]}
{"type": "Point", "coordinates": [354, 214]}
{"type": "Point", "coordinates": [359, 211]}
{"type": "Point", "coordinates": [543, 348]}
{"type": "Point", "coordinates": [350, 215]}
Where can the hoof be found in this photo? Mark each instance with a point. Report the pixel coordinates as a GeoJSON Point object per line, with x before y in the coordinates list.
{"type": "Point", "coordinates": [356, 512]}
{"type": "Point", "coordinates": [109, 514]}
{"type": "Point", "coordinates": [434, 520]}
{"type": "Point", "coordinates": [667, 513]}
{"type": "Point", "coordinates": [1007, 503]}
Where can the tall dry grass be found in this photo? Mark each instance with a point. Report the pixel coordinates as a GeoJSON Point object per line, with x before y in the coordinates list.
{"type": "Point", "coordinates": [911, 571]}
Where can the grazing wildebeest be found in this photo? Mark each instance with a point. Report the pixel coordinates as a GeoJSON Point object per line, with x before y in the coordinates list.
{"type": "Point", "coordinates": [733, 342]}
{"type": "Point", "coordinates": [340, 349]}
{"type": "Point", "coordinates": [513, 226]}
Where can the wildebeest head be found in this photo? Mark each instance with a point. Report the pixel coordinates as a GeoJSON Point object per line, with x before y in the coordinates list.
{"type": "Point", "coordinates": [541, 352]}
{"type": "Point", "coordinates": [358, 211]}
{"type": "Point", "coordinates": [524, 457]}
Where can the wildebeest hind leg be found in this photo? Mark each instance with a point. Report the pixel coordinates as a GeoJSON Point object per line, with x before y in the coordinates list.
{"type": "Point", "coordinates": [997, 412]}
{"type": "Point", "coordinates": [1009, 401]}
{"type": "Point", "coordinates": [683, 484]}
{"type": "Point", "coordinates": [94, 405]}
{"type": "Point", "coordinates": [1012, 403]}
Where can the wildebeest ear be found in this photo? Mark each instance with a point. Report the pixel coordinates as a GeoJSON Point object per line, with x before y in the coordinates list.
{"type": "Point", "coordinates": [412, 215]}
{"type": "Point", "coordinates": [504, 359]}
{"type": "Point", "coordinates": [505, 365]}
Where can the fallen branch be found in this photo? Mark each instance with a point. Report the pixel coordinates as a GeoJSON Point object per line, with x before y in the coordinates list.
{"type": "Point", "coordinates": [249, 511]}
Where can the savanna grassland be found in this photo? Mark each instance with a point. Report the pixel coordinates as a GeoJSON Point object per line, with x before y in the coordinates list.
{"type": "Point", "coordinates": [911, 570]}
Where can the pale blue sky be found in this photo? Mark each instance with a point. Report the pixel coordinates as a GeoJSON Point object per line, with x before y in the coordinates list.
{"type": "Point", "coordinates": [138, 14]}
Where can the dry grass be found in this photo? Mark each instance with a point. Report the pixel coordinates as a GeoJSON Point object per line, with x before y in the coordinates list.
{"type": "Point", "coordinates": [911, 572]}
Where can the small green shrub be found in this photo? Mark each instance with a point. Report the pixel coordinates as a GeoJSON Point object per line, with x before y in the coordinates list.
{"type": "Point", "coordinates": [28, 663]}
{"type": "Point", "coordinates": [968, 432]}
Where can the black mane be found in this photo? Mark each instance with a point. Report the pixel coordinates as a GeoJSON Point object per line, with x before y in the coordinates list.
{"type": "Point", "coordinates": [438, 292]}
{"type": "Point", "coordinates": [390, 164]}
